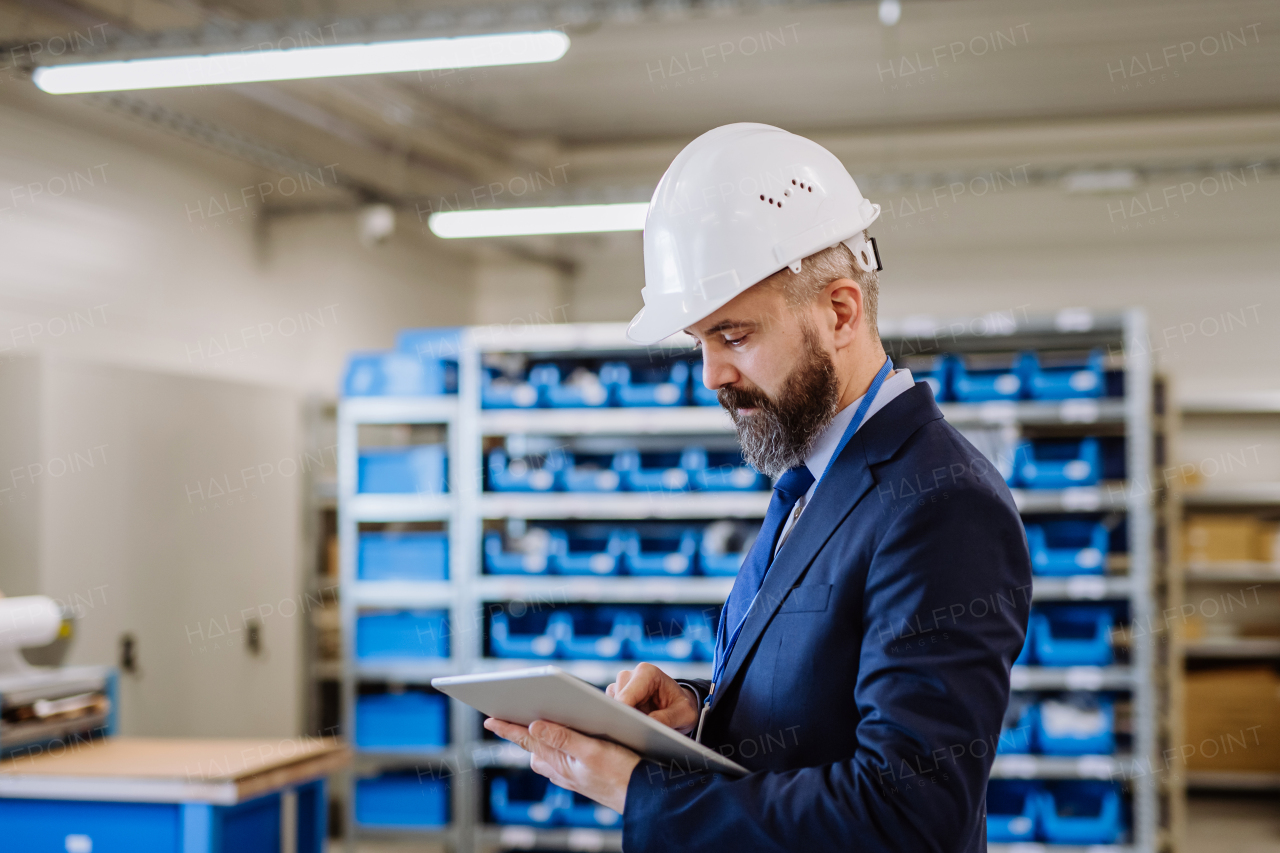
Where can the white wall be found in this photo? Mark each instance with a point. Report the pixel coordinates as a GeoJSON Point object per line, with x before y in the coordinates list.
{"type": "Point", "coordinates": [179, 344]}
{"type": "Point", "coordinates": [129, 263]}
{"type": "Point", "coordinates": [165, 507]}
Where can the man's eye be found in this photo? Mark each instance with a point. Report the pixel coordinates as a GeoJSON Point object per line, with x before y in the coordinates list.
{"type": "Point", "coordinates": [733, 342]}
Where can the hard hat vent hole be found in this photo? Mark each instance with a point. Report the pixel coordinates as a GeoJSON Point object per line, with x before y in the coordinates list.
{"type": "Point", "coordinates": [811, 188]}
{"type": "Point", "coordinates": [770, 201]}
{"type": "Point", "coordinates": [779, 204]}
{"type": "Point", "coordinates": [762, 198]}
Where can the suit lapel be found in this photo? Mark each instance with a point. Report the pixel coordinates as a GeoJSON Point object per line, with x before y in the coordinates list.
{"type": "Point", "coordinates": [837, 494]}
{"type": "Point", "coordinates": [840, 490]}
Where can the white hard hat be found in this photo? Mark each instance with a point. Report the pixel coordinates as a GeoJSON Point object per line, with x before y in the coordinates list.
{"type": "Point", "coordinates": [738, 204]}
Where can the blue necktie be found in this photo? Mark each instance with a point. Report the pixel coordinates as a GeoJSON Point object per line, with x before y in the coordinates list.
{"type": "Point", "coordinates": [786, 492]}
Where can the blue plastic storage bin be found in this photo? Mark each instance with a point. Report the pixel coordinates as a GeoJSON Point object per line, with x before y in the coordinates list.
{"type": "Point", "coordinates": [1057, 463]}
{"type": "Point", "coordinates": [722, 471]}
{"type": "Point", "coordinates": [528, 561]}
{"type": "Point", "coordinates": [402, 798]}
{"type": "Point", "coordinates": [402, 634]}
{"type": "Point", "coordinates": [934, 371]}
{"type": "Point", "coordinates": [580, 389]}
{"type": "Point", "coordinates": [980, 379]}
{"type": "Point", "coordinates": [402, 470]}
{"type": "Point", "coordinates": [527, 800]}
{"type": "Point", "coordinates": [723, 547]}
{"type": "Point", "coordinates": [700, 629]}
{"type": "Point", "coordinates": [600, 633]}
{"type": "Point", "coordinates": [501, 392]}
{"type": "Point", "coordinates": [668, 634]}
{"type": "Point", "coordinates": [1078, 726]}
{"type": "Point", "coordinates": [646, 386]}
{"type": "Point", "coordinates": [1069, 380]}
{"type": "Point", "coordinates": [411, 555]}
{"type": "Point", "coordinates": [584, 813]}
{"type": "Point", "coordinates": [589, 472]}
{"type": "Point", "coordinates": [537, 634]}
{"type": "Point", "coordinates": [654, 472]}
{"type": "Point", "coordinates": [1081, 813]}
{"type": "Point", "coordinates": [409, 720]}
{"type": "Point", "coordinates": [1068, 547]}
{"type": "Point", "coordinates": [1026, 657]}
{"type": "Point", "coordinates": [536, 473]}
{"type": "Point", "coordinates": [395, 374]}
{"type": "Point", "coordinates": [661, 556]}
{"type": "Point", "coordinates": [1013, 811]}
{"type": "Point", "coordinates": [1017, 732]}
{"type": "Point", "coordinates": [1073, 636]}
{"type": "Point", "coordinates": [701, 394]}
{"type": "Point", "coordinates": [443, 343]}
{"type": "Point", "coordinates": [572, 554]}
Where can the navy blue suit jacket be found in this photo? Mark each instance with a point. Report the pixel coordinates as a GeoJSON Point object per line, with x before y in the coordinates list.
{"type": "Point", "coordinates": [867, 688]}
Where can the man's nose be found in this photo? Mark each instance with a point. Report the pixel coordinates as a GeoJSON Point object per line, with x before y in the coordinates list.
{"type": "Point", "coordinates": [717, 371]}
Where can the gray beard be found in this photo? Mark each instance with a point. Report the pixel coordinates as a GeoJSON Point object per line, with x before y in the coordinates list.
{"type": "Point", "coordinates": [781, 433]}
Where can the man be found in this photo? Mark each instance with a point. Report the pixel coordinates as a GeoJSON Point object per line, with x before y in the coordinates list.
{"type": "Point", "coordinates": [863, 657]}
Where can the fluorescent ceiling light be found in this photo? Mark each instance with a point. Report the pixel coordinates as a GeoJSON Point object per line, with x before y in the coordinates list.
{"type": "Point", "coordinates": [1108, 181]}
{"type": "Point", "coordinates": [519, 221]}
{"type": "Point", "coordinates": [302, 63]}
{"type": "Point", "coordinates": [890, 12]}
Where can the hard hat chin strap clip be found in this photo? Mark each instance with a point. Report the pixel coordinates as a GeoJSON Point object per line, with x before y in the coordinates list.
{"type": "Point", "coordinates": [866, 254]}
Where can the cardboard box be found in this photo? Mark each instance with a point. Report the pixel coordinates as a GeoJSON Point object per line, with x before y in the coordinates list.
{"type": "Point", "coordinates": [1233, 720]}
{"type": "Point", "coordinates": [1220, 537]}
{"type": "Point", "coordinates": [331, 557]}
{"type": "Point", "coordinates": [1267, 542]}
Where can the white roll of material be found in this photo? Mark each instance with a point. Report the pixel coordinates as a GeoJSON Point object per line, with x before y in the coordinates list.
{"type": "Point", "coordinates": [28, 621]}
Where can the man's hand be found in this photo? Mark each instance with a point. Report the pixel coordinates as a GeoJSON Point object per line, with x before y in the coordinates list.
{"type": "Point", "coordinates": [649, 689]}
{"type": "Point", "coordinates": [594, 768]}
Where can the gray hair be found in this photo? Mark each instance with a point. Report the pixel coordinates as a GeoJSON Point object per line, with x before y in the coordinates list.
{"type": "Point", "coordinates": [820, 269]}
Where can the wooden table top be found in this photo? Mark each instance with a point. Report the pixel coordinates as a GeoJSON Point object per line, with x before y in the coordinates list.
{"type": "Point", "coordinates": [222, 771]}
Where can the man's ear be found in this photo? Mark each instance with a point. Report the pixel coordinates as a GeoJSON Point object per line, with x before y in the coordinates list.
{"type": "Point", "coordinates": [845, 297]}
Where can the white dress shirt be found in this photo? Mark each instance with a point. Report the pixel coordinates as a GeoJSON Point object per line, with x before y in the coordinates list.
{"type": "Point", "coordinates": [896, 383]}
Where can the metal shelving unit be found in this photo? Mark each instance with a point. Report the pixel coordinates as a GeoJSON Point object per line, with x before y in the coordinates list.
{"type": "Point", "coordinates": [1136, 578]}
{"type": "Point", "coordinates": [1140, 579]}
{"type": "Point", "coordinates": [456, 414]}
{"type": "Point", "coordinates": [1261, 410]}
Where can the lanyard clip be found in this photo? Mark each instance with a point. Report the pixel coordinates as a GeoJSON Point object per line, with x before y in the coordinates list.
{"type": "Point", "coordinates": [702, 716]}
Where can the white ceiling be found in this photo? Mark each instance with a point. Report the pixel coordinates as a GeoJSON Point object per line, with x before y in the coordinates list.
{"type": "Point", "coordinates": [829, 69]}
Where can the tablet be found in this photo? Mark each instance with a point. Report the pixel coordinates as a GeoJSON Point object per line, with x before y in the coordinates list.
{"type": "Point", "coordinates": [549, 693]}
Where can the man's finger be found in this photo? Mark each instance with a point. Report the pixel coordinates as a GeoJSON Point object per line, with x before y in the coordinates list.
{"type": "Point", "coordinates": [562, 739]}
{"type": "Point", "coordinates": [519, 735]}
{"type": "Point", "coordinates": [624, 677]}
{"type": "Point", "coordinates": [668, 717]}
{"type": "Point", "coordinates": [639, 687]}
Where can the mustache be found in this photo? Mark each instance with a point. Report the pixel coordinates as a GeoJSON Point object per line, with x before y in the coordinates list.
{"type": "Point", "coordinates": [743, 398]}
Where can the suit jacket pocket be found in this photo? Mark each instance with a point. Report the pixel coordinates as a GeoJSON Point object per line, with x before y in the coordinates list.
{"type": "Point", "coordinates": [813, 596]}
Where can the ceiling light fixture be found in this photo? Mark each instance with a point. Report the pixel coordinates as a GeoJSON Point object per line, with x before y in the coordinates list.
{"type": "Point", "coordinates": [890, 12]}
{"type": "Point", "coordinates": [525, 221]}
{"type": "Point", "coordinates": [303, 63]}
{"type": "Point", "coordinates": [1100, 181]}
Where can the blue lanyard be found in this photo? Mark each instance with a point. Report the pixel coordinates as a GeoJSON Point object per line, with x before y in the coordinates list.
{"type": "Point", "coordinates": [858, 415]}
